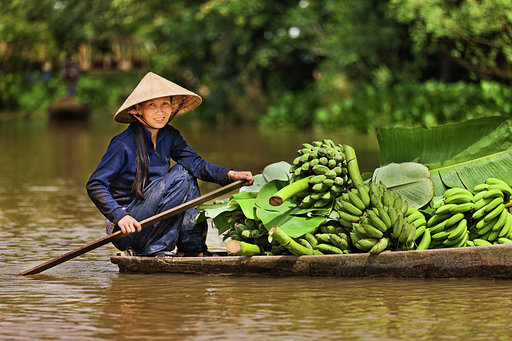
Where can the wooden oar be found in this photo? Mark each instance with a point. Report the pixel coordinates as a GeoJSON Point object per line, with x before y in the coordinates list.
{"type": "Point", "coordinates": [146, 222]}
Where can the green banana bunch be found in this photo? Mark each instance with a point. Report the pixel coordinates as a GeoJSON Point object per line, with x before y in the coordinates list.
{"type": "Point", "coordinates": [491, 218]}
{"type": "Point", "coordinates": [418, 220]}
{"type": "Point", "coordinates": [448, 226]}
{"type": "Point", "coordinates": [326, 165]}
{"type": "Point", "coordinates": [247, 230]}
{"type": "Point", "coordinates": [330, 239]}
{"type": "Point", "coordinates": [376, 217]}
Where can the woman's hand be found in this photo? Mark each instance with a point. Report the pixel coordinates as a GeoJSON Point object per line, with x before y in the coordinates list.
{"type": "Point", "coordinates": [128, 224]}
{"type": "Point", "coordinates": [235, 175]}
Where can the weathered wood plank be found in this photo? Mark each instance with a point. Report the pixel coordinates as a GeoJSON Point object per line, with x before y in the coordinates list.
{"type": "Point", "coordinates": [469, 262]}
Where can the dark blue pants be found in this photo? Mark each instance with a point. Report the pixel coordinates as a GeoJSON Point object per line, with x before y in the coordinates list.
{"type": "Point", "coordinates": [181, 231]}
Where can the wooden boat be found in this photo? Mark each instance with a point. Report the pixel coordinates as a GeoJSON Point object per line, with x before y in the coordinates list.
{"type": "Point", "coordinates": [68, 109]}
{"type": "Point", "coordinates": [469, 262]}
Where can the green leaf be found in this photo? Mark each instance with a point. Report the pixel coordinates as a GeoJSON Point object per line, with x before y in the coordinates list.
{"type": "Point", "coordinates": [213, 210]}
{"type": "Point", "coordinates": [259, 182]}
{"type": "Point", "coordinates": [221, 222]}
{"type": "Point", "coordinates": [262, 200]}
{"type": "Point", "coordinates": [277, 171]}
{"type": "Point", "coordinates": [460, 154]}
{"type": "Point", "coordinates": [248, 207]}
{"type": "Point", "coordinates": [291, 219]}
{"type": "Point", "coordinates": [296, 226]}
{"type": "Point", "coordinates": [409, 179]}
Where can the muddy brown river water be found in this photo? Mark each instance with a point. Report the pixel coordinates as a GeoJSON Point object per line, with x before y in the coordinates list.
{"type": "Point", "coordinates": [45, 212]}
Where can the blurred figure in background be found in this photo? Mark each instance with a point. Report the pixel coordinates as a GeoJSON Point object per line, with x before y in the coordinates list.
{"type": "Point", "coordinates": [69, 73]}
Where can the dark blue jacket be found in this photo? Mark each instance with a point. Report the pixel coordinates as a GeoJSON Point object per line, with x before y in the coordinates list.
{"type": "Point", "coordinates": [110, 185]}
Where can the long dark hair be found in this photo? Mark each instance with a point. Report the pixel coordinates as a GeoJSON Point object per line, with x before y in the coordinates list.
{"type": "Point", "coordinates": [141, 163]}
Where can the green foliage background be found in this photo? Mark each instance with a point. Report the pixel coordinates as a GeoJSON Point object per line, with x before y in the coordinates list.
{"type": "Point", "coordinates": [335, 63]}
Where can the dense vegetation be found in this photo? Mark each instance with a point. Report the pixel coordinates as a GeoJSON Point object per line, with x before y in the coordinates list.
{"type": "Point", "coordinates": [357, 63]}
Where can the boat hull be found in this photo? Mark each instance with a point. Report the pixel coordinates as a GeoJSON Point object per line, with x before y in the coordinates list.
{"type": "Point", "coordinates": [469, 262]}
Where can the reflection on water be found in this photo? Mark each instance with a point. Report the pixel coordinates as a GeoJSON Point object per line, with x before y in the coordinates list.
{"type": "Point", "coordinates": [45, 211]}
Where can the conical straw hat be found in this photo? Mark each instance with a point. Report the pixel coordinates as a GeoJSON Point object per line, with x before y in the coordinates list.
{"type": "Point", "coordinates": [153, 86]}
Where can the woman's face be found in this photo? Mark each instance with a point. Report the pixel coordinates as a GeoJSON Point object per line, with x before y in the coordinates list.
{"type": "Point", "coordinates": [156, 111]}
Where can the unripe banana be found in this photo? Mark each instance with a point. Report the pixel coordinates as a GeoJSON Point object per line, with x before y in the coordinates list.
{"type": "Point", "coordinates": [338, 181]}
{"type": "Point", "coordinates": [493, 204]}
{"type": "Point", "coordinates": [376, 221]}
{"type": "Point", "coordinates": [493, 193]}
{"type": "Point", "coordinates": [384, 216]}
{"type": "Point", "coordinates": [485, 227]}
{"type": "Point", "coordinates": [304, 157]}
{"type": "Point", "coordinates": [441, 235]}
{"type": "Point", "coordinates": [403, 205]}
{"type": "Point", "coordinates": [375, 195]}
{"type": "Point", "coordinates": [381, 245]}
{"type": "Point", "coordinates": [363, 194]}
{"type": "Point", "coordinates": [372, 231]}
{"type": "Point", "coordinates": [327, 248]}
{"type": "Point", "coordinates": [454, 219]}
{"type": "Point", "coordinates": [321, 203]}
{"type": "Point", "coordinates": [327, 196]}
{"type": "Point", "coordinates": [305, 166]}
{"type": "Point", "coordinates": [502, 218]}
{"type": "Point", "coordinates": [320, 169]}
{"type": "Point", "coordinates": [388, 199]}
{"type": "Point", "coordinates": [415, 215]}
{"type": "Point", "coordinates": [393, 215]}
{"type": "Point", "coordinates": [319, 187]}
{"type": "Point", "coordinates": [459, 242]}
{"type": "Point", "coordinates": [354, 237]}
{"type": "Point", "coordinates": [404, 234]}
{"type": "Point", "coordinates": [495, 183]}
{"type": "Point", "coordinates": [397, 227]}
{"type": "Point", "coordinates": [316, 179]}
{"type": "Point", "coordinates": [508, 226]}
{"type": "Point", "coordinates": [331, 174]}
{"type": "Point", "coordinates": [459, 199]}
{"type": "Point", "coordinates": [462, 208]}
{"type": "Point", "coordinates": [419, 231]}
{"type": "Point", "coordinates": [505, 230]}
{"type": "Point", "coordinates": [459, 230]}
{"type": "Point", "coordinates": [480, 187]}
{"type": "Point", "coordinates": [348, 217]}
{"type": "Point", "coordinates": [445, 209]}
{"type": "Point", "coordinates": [436, 219]}
{"type": "Point", "coordinates": [479, 213]}
{"type": "Point", "coordinates": [311, 240]}
{"type": "Point", "coordinates": [456, 191]}
{"type": "Point", "coordinates": [344, 222]}
{"type": "Point", "coordinates": [366, 244]}
{"type": "Point", "coordinates": [493, 235]}
{"type": "Point", "coordinates": [494, 213]}
{"type": "Point", "coordinates": [481, 203]}
{"type": "Point", "coordinates": [478, 196]}
{"type": "Point", "coordinates": [419, 222]}
{"type": "Point", "coordinates": [305, 243]}
{"type": "Point", "coordinates": [339, 242]}
{"type": "Point", "coordinates": [425, 241]}
{"type": "Point", "coordinates": [411, 235]}
{"type": "Point", "coordinates": [354, 198]}
{"type": "Point", "coordinates": [481, 242]}
{"type": "Point", "coordinates": [438, 227]}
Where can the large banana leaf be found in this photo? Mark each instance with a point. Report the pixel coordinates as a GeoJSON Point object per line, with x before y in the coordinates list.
{"type": "Point", "coordinates": [457, 154]}
{"type": "Point", "coordinates": [291, 220]}
{"type": "Point", "coordinates": [411, 180]}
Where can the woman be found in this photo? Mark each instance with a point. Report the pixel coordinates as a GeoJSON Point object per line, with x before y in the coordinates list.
{"type": "Point", "coordinates": [134, 180]}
